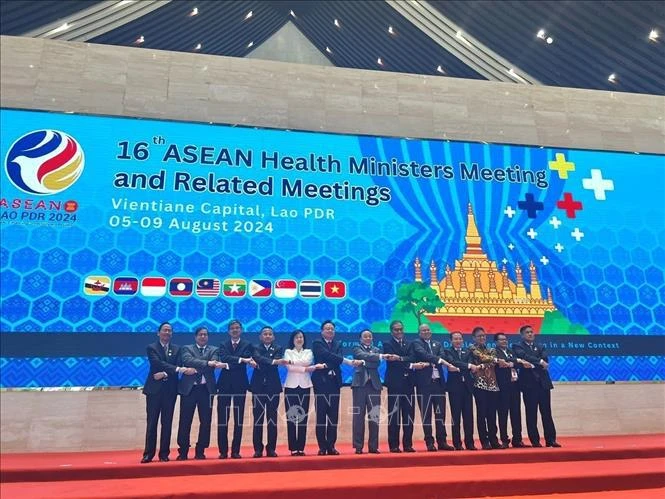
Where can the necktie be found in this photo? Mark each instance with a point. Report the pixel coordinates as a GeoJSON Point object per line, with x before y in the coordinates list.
{"type": "Point", "coordinates": [234, 346]}
{"type": "Point", "coordinates": [202, 350]}
{"type": "Point", "coordinates": [329, 345]}
{"type": "Point", "coordinates": [166, 350]}
{"type": "Point", "coordinates": [429, 346]}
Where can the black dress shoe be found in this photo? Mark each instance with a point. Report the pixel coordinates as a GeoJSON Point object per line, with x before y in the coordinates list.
{"type": "Point", "coordinates": [504, 445]}
{"type": "Point", "coordinates": [430, 448]}
{"type": "Point", "coordinates": [537, 444]}
{"type": "Point", "coordinates": [445, 446]}
{"type": "Point", "coordinates": [374, 451]}
{"type": "Point", "coordinates": [258, 454]}
{"type": "Point", "coordinates": [322, 452]}
{"type": "Point", "coordinates": [519, 445]}
{"type": "Point", "coordinates": [359, 451]}
{"type": "Point", "coordinates": [181, 457]}
{"type": "Point", "coordinates": [146, 459]}
{"type": "Point", "coordinates": [495, 445]}
{"type": "Point", "coordinates": [295, 453]}
{"type": "Point", "coordinates": [409, 449]}
{"type": "Point", "coordinates": [486, 447]}
{"type": "Point", "coordinates": [458, 447]}
{"type": "Point", "coordinates": [224, 456]}
{"type": "Point", "coordinates": [271, 453]}
{"type": "Point", "coordinates": [235, 455]}
{"type": "Point", "coordinates": [553, 444]}
{"type": "Point", "coordinates": [333, 452]}
{"type": "Point", "coordinates": [164, 459]}
{"type": "Point", "coordinates": [395, 450]}
{"type": "Point", "coordinates": [471, 447]}
{"type": "Point", "coordinates": [200, 456]}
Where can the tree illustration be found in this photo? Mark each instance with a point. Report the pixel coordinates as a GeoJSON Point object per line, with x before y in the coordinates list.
{"type": "Point", "coordinates": [417, 298]}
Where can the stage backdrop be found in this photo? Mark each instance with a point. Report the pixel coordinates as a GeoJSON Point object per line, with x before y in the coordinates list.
{"type": "Point", "coordinates": [112, 225]}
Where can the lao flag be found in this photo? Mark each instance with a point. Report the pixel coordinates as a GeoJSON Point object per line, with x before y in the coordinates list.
{"type": "Point", "coordinates": [286, 288]}
{"type": "Point", "coordinates": [334, 289]}
{"type": "Point", "coordinates": [125, 286]}
{"type": "Point", "coordinates": [207, 287]}
{"type": "Point", "coordinates": [260, 288]}
{"type": "Point", "coordinates": [181, 286]}
{"type": "Point", "coordinates": [310, 289]}
{"type": "Point", "coordinates": [153, 286]}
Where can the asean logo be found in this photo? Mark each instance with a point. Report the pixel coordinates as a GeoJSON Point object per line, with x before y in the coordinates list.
{"type": "Point", "coordinates": [44, 162]}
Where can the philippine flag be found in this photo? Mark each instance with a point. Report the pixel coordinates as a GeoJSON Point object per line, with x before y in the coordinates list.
{"type": "Point", "coordinates": [260, 288]}
{"type": "Point", "coordinates": [207, 287]}
{"type": "Point", "coordinates": [334, 289]}
{"type": "Point", "coordinates": [126, 286]}
{"type": "Point", "coordinates": [310, 289]}
{"type": "Point", "coordinates": [181, 286]}
{"type": "Point", "coordinates": [286, 288]}
{"type": "Point", "coordinates": [153, 286]}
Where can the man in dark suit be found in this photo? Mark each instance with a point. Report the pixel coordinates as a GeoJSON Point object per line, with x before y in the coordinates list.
{"type": "Point", "coordinates": [509, 393]}
{"type": "Point", "coordinates": [266, 388]}
{"type": "Point", "coordinates": [536, 388]}
{"type": "Point", "coordinates": [400, 383]}
{"type": "Point", "coordinates": [327, 383]}
{"type": "Point", "coordinates": [366, 390]}
{"type": "Point", "coordinates": [196, 392]}
{"type": "Point", "coordinates": [431, 388]}
{"type": "Point", "coordinates": [161, 391]}
{"type": "Point", "coordinates": [460, 391]}
{"type": "Point", "coordinates": [232, 387]}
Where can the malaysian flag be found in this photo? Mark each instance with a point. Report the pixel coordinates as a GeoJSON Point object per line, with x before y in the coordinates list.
{"type": "Point", "coordinates": [207, 287]}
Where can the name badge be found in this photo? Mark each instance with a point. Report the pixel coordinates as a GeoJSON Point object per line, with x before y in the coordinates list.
{"type": "Point", "coordinates": [513, 374]}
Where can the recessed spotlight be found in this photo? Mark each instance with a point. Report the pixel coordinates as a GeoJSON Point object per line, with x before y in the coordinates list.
{"type": "Point", "coordinates": [379, 61]}
{"type": "Point", "coordinates": [140, 39]}
{"type": "Point", "coordinates": [60, 29]}
{"type": "Point", "coordinates": [541, 34]}
{"type": "Point", "coordinates": [328, 50]}
{"type": "Point", "coordinates": [292, 14]}
{"type": "Point", "coordinates": [198, 46]}
{"type": "Point", "coordinates": [549, 40]}
{"type": "Point", "coordinates": [653, 35]}
{"type": "Point", "coordinates": [249, 14]}
{"type": "Point", "coordinates": [194, 12]}
{"type": "Point", "coordinates": [250, 44]}
{"type": "Point", "coordinates": [336, 23]}
{"type": "Point", "coordinates": [391, 30]}
{"type": "Point", "coordinates": [612, 78]}
{"type": "Point", "coordinates": [439, 69]}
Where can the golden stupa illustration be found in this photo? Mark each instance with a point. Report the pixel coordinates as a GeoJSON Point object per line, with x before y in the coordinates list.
{"type": "Point", "coordinates": [476, 293]}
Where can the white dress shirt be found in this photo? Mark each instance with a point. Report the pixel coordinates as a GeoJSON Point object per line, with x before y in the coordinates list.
{"type": "Point", "coordinates": [297, 376]}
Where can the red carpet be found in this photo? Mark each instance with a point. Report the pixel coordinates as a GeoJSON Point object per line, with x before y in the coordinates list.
{"type": "Point", "coordinates": [583, 466]}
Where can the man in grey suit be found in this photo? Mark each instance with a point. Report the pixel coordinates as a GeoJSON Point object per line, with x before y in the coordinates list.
{"type": "Point", "coordinates": [196, 392]}
{"type": "Point", "coordinates": [366, 388]}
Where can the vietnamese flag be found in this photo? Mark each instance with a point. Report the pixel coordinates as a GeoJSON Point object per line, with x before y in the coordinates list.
{"type": "Point", "coordinates": [334, 289]}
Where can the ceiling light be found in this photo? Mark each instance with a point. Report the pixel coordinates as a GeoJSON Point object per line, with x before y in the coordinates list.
{"type": "Point", "coordinates": [653, 35]}
{"type": "Point", "coordinates": [140, 39]}
{"type": "Point", "coordinates": [512, 73]}
{"type": "Point", "coordinates": [249, 14]}
{"type": "Point", "coordinates": [439, 69]}
{"type": "Point", "coordinates": [612, 78]}
{"type": "Point", "coordinates": [293, 14]}
{"type": "Point", "coordinates": [194, 12]}
{"type": "Point", "coordinates": [391, 30]}
{"type": "Point", "coordinates": [549, 40]}
{"type": "Point", "coordinates": [541, 34]}
{"type": "Point", "coordinates": [198, 46]}
{"type": "Point", "coordinates": [123, 3]}
{"type": "Point", "coordinates": [328, 50]}
{"type": "Point", "coordinates": [61, 28]}
{"type": "Point", "coordinates": [336, 23]}
{"type": "Point", "coordinates": [250, 44]}
{"type": "Point", "coordinates": [379, 61]}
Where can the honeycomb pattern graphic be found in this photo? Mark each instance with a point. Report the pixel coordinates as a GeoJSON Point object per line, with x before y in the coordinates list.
{"type": "Point", "coordinates": [612, 282]}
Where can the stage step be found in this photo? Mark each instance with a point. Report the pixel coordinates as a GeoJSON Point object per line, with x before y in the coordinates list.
{"type": "Point", "coordinates": [432, 482]}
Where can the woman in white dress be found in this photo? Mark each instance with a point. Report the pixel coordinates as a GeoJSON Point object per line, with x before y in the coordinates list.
{"type": "Point", "coordinates": [297, 387]}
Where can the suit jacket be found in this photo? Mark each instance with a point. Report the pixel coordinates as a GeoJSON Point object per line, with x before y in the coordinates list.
{"type": "Point", "coordinates": [423, 377]}
{"type": "Point", "coordinates": [192, 357]}
{"type": "Point", "coordinates": [234, 380]}
{"type": "Point", "coordinates": [327, 380]}
{"type": "Point", "coordinates": [503, 377]}
{"type": "Point", "coordinates": [370, 371]}
{"type": "Point", "coordinates": [161, 361]}
{"type": "Point", "coordinates": [532, 378]}
{"type": "Point", "coordinates": [399, 377]}
{"type": "Point", "coordinates": [463, 380]}
{"type": "Point", "coordinates": [265, 378]}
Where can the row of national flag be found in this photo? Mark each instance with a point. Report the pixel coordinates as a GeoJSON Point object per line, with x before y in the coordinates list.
{"type": "Point", "coordinates": [98, 285]}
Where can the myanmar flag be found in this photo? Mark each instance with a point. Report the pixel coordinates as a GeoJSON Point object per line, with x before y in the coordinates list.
{"type": "Point", "coordinates": [234, 288]}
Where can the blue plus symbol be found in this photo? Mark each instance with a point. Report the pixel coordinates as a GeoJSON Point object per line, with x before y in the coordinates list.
{"type": "Point", "coordinates": [530, 205]}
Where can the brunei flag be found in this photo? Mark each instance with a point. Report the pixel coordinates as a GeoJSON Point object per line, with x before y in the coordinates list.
{"type": "Point", "coordinates": [97, 285]}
